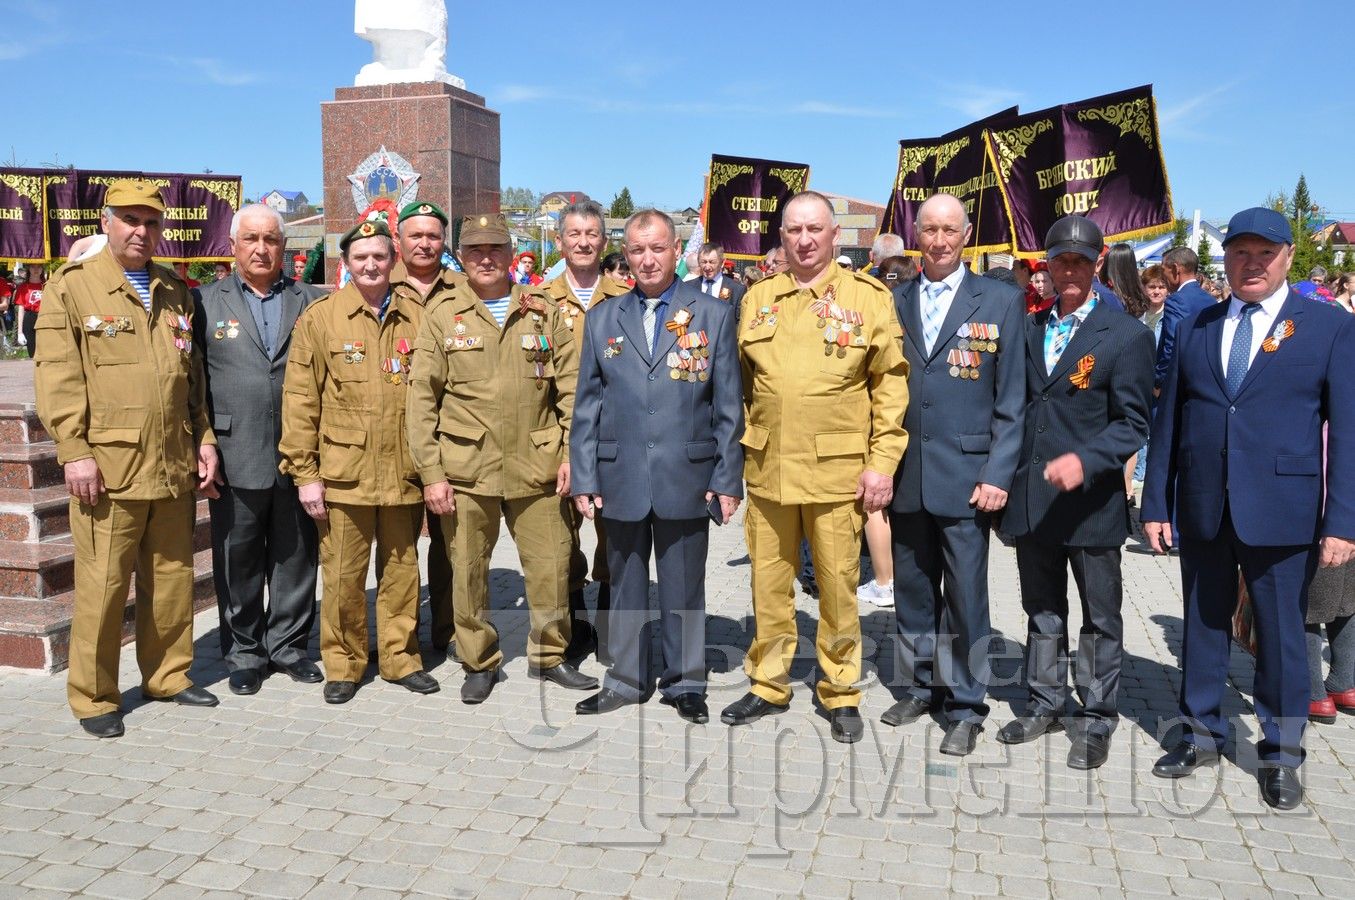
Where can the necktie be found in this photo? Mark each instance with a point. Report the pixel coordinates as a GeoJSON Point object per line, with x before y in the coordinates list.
{"type": "Point", "coordinates": [707, 284]}
{"type": "Point", "coordinates": [650, 319]}
{"type": "Point", "coordinates": [931, 314]}
{"type": "Point", "coordinates": [1239, 355]}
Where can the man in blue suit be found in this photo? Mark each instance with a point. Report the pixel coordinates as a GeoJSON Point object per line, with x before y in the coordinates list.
{"type": "Point", "coordinates": [655, 439]}
{"type": "Point", "coordinates": [967, 384]}
{"type": "Point", "coordinates": [1181, 266]}
{"type": "Point", "coordinates": [1236, 455]}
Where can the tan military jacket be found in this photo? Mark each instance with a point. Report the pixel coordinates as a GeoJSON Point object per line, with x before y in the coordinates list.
{"type": "Point", "coordinates": [401, 285]}
{"type": "Point", "coordinates": [482, 415]}
{"type": "Point", "coordinates": [343, 414]}
{"type": "Point", "coordinates": [820, 411]}
{"type": "Point", "coordinates": [560, 295]}
{"type": "Point", "coordinates": [117, 385]}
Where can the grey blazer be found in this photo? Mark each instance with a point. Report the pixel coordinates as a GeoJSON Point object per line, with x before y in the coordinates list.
{"type": "Point", "coordinates": [639, 438]}
{"type": "Point", "coordinates": [244, 386]}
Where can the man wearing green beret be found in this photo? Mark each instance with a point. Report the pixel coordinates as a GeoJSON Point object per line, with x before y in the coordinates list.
{"type": "Point", "coordinates": [343, 443]}
{"type": "Point", "coordinates": [421, 277]}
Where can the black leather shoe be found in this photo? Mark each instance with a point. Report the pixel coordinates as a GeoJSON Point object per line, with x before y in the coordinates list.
{"type": "Point", "coordinates": [906, 711]}
{"type": "Point", "coordinates": [961, 738]}
{"type": "Point", "coordinates": [109, 725]}
{"type": "Point", "coordinates": [420, 683]}
{"type": "Point", "coordinates": [190, 696]}
{"type": "Point", "coordinates": [340, 691]}
{"type": "Point", "coordinates": [245, 681]}
{"type": "Point", "coordinates": [604, 701]}
{"type": "Point", "coordinates": [1090, 749]}
{"type": "Point", "coordinates": [1028, 728]}
{"type": "Point", "coordinates": [566, 676]}
{"type": "Point", "coordinates": [691, 706]}
{"type": "Point", "coordinates": [1183, 760]}
{"type": "Point", "coordinates": [476, 687]}
{"type": "Point", "coordinates": [583, 640]}
{"type": "Point", "coordinates": [303, 670]}
{"type": "Point", "coordinates": [749, 708]}
{"type": "Point", "coordinates": [845, 724]}
{"type": "Point", "coordinates": [1280, 786]}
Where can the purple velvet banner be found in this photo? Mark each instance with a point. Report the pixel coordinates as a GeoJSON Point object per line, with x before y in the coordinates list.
{"type": "Point", "coordinates": [744, 202]}
{"type": "Point", "coordinates": [21, 236]}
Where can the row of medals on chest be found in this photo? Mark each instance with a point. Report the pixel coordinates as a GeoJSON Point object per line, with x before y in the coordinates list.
{"type": "Point", "coordinates": [976, 338]}
{"type": "Point", "coordinates": [842, 328]}
{"type": "Point", "coordinates": [112, 326]}
{"type": "Point", "coordinates": [394, 369]}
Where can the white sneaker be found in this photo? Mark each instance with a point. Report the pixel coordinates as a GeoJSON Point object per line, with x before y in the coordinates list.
{"type": "Point", "coordinates": [875, 593]}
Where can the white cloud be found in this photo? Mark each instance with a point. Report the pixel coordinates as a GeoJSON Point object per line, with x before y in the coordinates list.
{"type": "Point", "coordinates": [977, 101]}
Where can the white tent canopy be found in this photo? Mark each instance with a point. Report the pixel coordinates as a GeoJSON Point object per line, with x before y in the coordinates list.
{"type": "Point", "coordinates": [1150, 252]}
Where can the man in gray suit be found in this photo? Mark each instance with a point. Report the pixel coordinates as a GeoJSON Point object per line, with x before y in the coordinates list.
{"type": "Point", "coordinates": [713, 280]}
{"type": "Point", "coordinates": [654, 450]}
{"type": "Point", "coordinates": [260, 535]}
{"type": "Point", "coordinates": [966, 381]}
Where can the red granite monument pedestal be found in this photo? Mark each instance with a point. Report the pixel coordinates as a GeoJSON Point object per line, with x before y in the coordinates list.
{"type": "Point", "coordinates": [448, 135]}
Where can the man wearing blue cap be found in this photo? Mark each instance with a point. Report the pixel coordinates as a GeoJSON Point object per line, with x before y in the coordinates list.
{"type": "Point", "coordinates": [1236, 457]}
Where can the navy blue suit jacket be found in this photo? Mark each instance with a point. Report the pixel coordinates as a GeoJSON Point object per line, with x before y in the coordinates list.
{"type": "Point", "coordinates": [961, 432]}
{"type": "Point", "coordinates": [1261, 452]}
{"type": "Point", "coordinates": [1183, 303]}
{"type": "Point", "coordinates": [642, 440]}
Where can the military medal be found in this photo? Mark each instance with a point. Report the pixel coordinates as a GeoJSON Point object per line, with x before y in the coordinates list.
{"type": "Point", "coordinates": [1283, 332]}
{"type": "Point", "coordinates": [1082, 378]}
{"type": "Point", "coordinates": [567, 313]}
{"type": "Point", "coordinates": [767, 315]}
{"type": "Point", "coordinates": [232, 329]}
{"type": "Point", "coordinates": [220, 331]}
{"type": "Point", "coordinates": [460, 327]}
{"type": "Point", "coordinates": [614, 347]}
{"type": "Point", "coordinates": [688, 362]}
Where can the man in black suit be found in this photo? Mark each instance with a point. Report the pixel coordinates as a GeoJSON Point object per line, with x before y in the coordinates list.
{"type": "Point", "coordinates": [1089, 380]}
{"type": "Point", "coordinates": [260, 535]}
{"type": "Point", "coordinates": [712, 279]}
{"type": "Point", "coordinates": [966, 381]}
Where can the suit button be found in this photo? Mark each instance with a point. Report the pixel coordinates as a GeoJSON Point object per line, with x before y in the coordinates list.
{"type": "Point", "coordinates": [1232, 409]}
{"type": "Point", "coordinates": [1035, 459]}
{"type": "Point", "coordinates": [1041, 429]}
{"type": "Point", "coordinates": [926, 437]}
{"type": "Point", "coordinates": [927, 371]}
{"type": "Point", "coordinates": [651, 445]}
{"type": "Point", "coordinates": [652, 377]}
{"type": "Point", "coordinates": [926, 404]}
{"type": "Point", "coordinates": [1044, 396]}
{"type": "Point", "coordinates": [651, 410]}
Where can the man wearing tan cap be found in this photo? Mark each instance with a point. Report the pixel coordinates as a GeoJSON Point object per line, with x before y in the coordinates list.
{"type": "Point", "coordinates": [489, 411]}
{"type": "Point", "coordinates": [121, 391]}
{"type": "Point", "coordinates": [343, 443]}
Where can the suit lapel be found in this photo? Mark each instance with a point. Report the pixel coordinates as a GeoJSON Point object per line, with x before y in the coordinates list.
{"type": "Point", "coordinates": [910, 315]}
{"type": "Point", "coordinates": [665, 338]}
{"type": "Point", "coordinates": [1035, 341]}
{"type": "Point", "coordinates": [291, 300]}
{"type": "Point", "coordinates": [628, 318]}
{"type": "Point", "coordinates": [1084, 340]}
{"type": "Point", "coordinates": [961, 308]}
{"type": "Point", "coordinates": [1292, 309]}
{"type": "Point", "coordinates": [1213, 345]}
{"type": "Point", "coordinates": [236, 303]}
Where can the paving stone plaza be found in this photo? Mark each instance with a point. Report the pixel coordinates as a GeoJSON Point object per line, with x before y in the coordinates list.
{"type": "Point", "coordinates": [280, 795]}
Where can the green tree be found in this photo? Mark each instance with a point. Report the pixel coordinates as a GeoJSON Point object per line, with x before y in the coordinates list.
{"type": "Point", "coordinates": [519, 198]}
{"type": "Point", "coordinates": [1202, 251]}
{"type": "Point", "coordinates": [1180, 232]}
{"type": "Point", "coordinates": [1306, 251]}
{"type": "Point", "coordinates": [622, 205]}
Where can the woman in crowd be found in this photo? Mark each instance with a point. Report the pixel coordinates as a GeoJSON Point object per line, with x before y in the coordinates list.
{"type": "Point", "coordinates": [614, 267]}
{"type": "Point", "coordinates": [1040, 291]}
{"type": "Point", "coordinates": [27, 300]}
{"type": "Point", "coordinates": [1343, 286]}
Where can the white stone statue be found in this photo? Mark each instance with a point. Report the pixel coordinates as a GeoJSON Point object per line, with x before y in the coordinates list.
{"type": "Point", "coordinates": [409, 41]}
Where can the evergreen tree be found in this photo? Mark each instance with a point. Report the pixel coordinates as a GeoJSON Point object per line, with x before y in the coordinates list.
{"type": "Point", "coordinates": [1180, 232]}
{"type": "Point", "coordinates": [1306, 252]}
{"type": "Point", "coordinates": [622, 205]}
{"type": "Point", "coordinates": [1202, 251]}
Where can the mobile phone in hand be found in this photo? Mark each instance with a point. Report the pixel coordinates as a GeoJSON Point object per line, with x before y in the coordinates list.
{"type": "Point", "coordinates": [715, 510]}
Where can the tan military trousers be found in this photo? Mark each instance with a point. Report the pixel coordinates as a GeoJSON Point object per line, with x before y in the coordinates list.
{"type": "Point", "coordinates": [578, 563]}
{"type": "Point", "coordinates": [774, 532]}
{"type": "Point", "coordinates": [345, 551]}
{"type": "Point", "coordinates": [540, 527]}
{"type": "Point", "coordinates": [154, 539]}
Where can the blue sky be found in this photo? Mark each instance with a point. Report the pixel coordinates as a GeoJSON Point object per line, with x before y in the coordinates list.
{"type": "Point", "coordinates": [597, 96]}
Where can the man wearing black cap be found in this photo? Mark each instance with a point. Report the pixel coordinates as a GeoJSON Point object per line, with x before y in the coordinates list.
{"type": "Point", "coordinates": [1089, 380]}
{"type": "Point", "coordinates": [1236, 457]}
{"type": "Point", "coordinates": [420, 276]}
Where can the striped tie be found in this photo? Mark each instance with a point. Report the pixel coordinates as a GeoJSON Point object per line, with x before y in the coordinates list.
{"type": "Point", "coordinates": [1239, 355]}
{"type": "Point", "coordinates": [649, 320]}
{"type": "Point", "coordinates": [932, 314]}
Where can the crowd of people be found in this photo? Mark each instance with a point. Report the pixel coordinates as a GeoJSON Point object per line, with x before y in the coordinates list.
{"type": "Point", "coordinates": [918, 406]}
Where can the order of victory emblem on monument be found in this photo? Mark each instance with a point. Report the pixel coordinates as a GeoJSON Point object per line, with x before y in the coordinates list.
{"type": "Point", "coordinates": [384, 175]}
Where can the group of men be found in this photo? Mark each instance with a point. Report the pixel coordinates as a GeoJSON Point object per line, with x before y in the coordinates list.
{"type": "Point", "coordinates": [321, 425]}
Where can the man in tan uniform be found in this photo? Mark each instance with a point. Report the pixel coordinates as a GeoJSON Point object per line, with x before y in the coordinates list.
{"type": "Point", "coordinates": [583, 237]}
{"type": "Point", "coordinates": [825, 385]}
{"type": "Point", "coordinates": [420, 276]}
{"type": "Point", "coordinates": [121, 390]}
{"type": "Point", "coordinates": [489, 408]}
{"type": "Point", "coordinates": [343, 443]}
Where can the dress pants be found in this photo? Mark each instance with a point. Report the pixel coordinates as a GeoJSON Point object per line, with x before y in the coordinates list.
{"type": "Point", "coordinates": [263, 538]}
{"type": "Point", "coordinates": [114, 539]}
{"type": "Point", "coordinates": [345, 551]}
{"type": "Point", "coordinates": [774, 532]}
{"type": "Point", "coordinates": [442, 625]}
{"type": "Point", "coordinates": [680, 548]}
{"type": "Point", "coordinates": [941, 604]}
{"type": "Point", "coordinates": [1043, 571]}
{"type": "Point", "coordinates": [539, 526]}
{"type": "Point", "coordinates": [578, 575]}
{"type": "Point", "coordinates": [1277, 581]}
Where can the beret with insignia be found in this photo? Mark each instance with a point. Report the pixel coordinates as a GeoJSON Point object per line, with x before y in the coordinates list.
{"type": "Point", "coordinates": [422, 208]}
{"type": "Point", "coordinates": [364, 229]}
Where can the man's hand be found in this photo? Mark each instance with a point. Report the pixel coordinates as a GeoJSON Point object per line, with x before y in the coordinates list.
{"type": "Point", "coordinates": [987, 498]}
{"type": "Point", "coordinates": [209, 471]}
{"type": "Point", "coordinates": [312, 498]}
{"type": "Point", "coordinates": [587, 503]}
{"type": "Point", "coordinates": [874, 490]}
{"type": "Point", "coordinates": [22, 339]}
{"type": "Point", "coordinates": [1159, 535]}
{"type": "Point", "coordinates": [1065, 473]}
{"type": "Point", "coordinates": [1336, 551]}
{"type": "Point", "coordinates": [440, 499]}
{"type": "Point", "coordinates": [84, 480]}
{"type": "Point", "coordinates": [562, 481]}
{"type": "Point", "coordinates": [728, 505]}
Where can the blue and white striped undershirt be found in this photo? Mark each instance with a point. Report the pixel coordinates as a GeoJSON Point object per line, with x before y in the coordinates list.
{"type": "Point", "coordinates": [585, 295]}
{"type": "Point", "coordinates": [141, 280]}
{"type": "Point", "coordinates": [498, 309]}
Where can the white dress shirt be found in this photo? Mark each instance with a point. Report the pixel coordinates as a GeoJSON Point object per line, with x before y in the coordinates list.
{"type": "Point", "coordinates": [1262, 324]}
{"type": "Point", "coordinates": [714, 289]}
{"type": "Point", "coordinates": [946, 297]}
